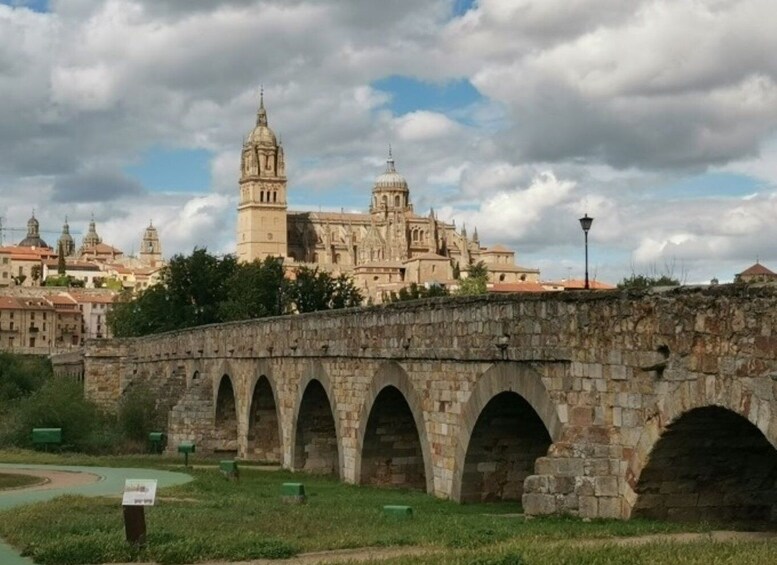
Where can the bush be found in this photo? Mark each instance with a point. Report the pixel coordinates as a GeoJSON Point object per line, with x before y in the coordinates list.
{"type": "Point", "coordinates": [20, 375]}
{"type": "Point", "coordinates": [60, 403]}
{"type": "Point", "coordinates": [138, 414]}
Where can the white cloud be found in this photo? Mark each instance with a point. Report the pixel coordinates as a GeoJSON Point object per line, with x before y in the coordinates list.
{"type": "Point", "coordinates": [589, 105]}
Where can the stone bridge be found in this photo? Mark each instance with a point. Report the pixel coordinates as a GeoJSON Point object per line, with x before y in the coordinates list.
{"type": "Point", "coordinates": [600, 404]}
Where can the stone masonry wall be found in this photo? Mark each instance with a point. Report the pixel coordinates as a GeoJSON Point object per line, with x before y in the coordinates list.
{"type": "Point", "coordinates": [605, 372]}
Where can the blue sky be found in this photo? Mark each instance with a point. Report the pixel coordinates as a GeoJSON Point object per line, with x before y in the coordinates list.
{"type": "Point", "coordinates": [516, 118]}
{"type": "Point", "coordinates": [36, 5]}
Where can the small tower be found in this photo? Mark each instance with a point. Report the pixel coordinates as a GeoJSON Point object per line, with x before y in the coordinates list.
{"type": "Point", "coordinates": [66, 243]}
{"type": "Point", "coordinates": [91, 239]}
{"type": "Point", "coordinates": [261, 212]}
{"type": "Point", "coordinates": [390, 192]}
{"type": "Point", "coordinates": [33, 238]}
{"type": "Point", "coordinates": [150, 247]}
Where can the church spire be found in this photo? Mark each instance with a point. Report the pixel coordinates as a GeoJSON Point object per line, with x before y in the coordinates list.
{"type": "Point", "coordinates": [261, 115]}
{"type": "Point", "coordinates": [390, 168]}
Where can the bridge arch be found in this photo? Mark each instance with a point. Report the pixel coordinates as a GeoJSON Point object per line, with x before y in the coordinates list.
{"type": "Point", "coordinates": [225, 416]}
{"type": "Point", "coordinates": [316, 425]}
{"type": "Point", "coordinates": [391, 400]}
{"type": "Point", "coordinates": [264, 436]}
{"type": "Point", "coordinates": [512, 393]}
{"type": "Point", "coordinates": [720, 445]}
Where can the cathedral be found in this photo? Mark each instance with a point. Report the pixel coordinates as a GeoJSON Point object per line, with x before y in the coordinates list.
{"type": "Point", "coordinates": [385, 249]}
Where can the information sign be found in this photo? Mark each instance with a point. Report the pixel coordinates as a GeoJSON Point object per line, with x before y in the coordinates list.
{"type": "Point", "coordinates": [139, 492]}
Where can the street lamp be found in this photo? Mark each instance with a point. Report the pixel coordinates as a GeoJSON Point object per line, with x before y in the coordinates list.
{"type": "Point", "coordinates": [585, 223]}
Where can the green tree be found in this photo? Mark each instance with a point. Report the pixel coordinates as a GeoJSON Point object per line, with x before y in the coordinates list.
{"type": "Point", "coordinates": [196, 286]}
{"type": "Point", "coordinates": [476, 281]}
{"type": "Point", "coordinates": [20, 376]}
{"type": "Point", "coordinates": [256, 290]}
{"type": "Point", "coordinates": [640, 282]}
{"type": "Point", "coordinates": [61, 265]}
{"type": "Point", "coordinates": [416, 291]}
{"type": "Point", "coordinates": [35, 273]}
{"type": "Point", "coordinates": [314, 290]}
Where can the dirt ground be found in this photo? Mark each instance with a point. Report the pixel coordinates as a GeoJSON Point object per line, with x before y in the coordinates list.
{"type": "Point", "coordinates": [54, 479]}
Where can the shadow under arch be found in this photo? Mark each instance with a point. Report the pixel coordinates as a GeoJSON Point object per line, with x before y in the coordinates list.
{"type": "Point", "coordinates": [673, 407]}
{"type": "Point", "coordinates": [225, 420]}
{"type": "Point", "coordinates": [265, 432]}
{"type": "Point", "coordinates": [710, 464]}
{"type": "Point", "coordinates": [391, 374]}
{"type": "Point", "coordinates": [501, 378]}
{"type": "Point", "coordinates": [316, 400]}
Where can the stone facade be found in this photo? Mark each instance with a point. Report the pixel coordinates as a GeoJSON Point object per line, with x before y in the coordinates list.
{"type": "Point", "coordinates": [602, 404]}
{"type": "Point", "coordinates": [385, 249]}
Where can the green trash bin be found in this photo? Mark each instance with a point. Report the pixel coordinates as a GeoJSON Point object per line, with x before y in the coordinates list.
{"type": "Point", "coordinates": [229, 469]}
{"type": "Point", "coordinates": [157, 441]}
{"type": "Point", "coordinates": [46, 436]}
{"type": "Point", "coordinates": [186, 447]}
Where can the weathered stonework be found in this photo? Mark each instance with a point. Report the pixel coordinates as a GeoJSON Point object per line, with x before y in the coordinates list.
{"type": "Point", "coordinates": [604, 386]}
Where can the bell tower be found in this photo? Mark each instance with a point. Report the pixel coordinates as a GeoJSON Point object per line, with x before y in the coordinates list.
{"type": "Point", "coordinates": [261, 212]}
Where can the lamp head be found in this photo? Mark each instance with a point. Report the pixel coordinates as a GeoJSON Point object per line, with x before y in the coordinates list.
{"type": "Point", "coordinates": [585, 223]}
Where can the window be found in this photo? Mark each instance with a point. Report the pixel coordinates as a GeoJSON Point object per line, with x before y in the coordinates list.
{"type": "Point", "coordinates": [32, 342]}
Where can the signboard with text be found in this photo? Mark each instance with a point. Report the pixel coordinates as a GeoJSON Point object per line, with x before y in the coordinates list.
{"type": "Point", "coordinates": [139, 492]}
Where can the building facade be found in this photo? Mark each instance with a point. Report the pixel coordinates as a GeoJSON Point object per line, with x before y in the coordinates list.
{"type": "Point", "coordinates": [384, 249]}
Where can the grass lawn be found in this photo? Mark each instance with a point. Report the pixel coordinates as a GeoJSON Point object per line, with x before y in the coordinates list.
{"type": "Point", "coordinates": [211, 518]}
{"type": "Point", "coordinates": [9, 480]}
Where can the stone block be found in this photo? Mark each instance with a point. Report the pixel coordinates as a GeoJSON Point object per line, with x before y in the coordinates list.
{"type": "Point", "coordinates": [609, 507]}
{"type": "Point", "coordinates": [539, 504]}
{"type": "Point", "coordinates": [588, 507]}
{"type": "Point", "coordinates": [606, 486]}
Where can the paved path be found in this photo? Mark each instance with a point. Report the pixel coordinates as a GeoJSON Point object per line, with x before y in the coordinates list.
{"type": "Point", "coordinates": [85, 481]}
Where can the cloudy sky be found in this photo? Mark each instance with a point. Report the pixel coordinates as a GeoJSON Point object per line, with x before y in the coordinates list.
{"type": "Point", "coordinates": [656, 117]}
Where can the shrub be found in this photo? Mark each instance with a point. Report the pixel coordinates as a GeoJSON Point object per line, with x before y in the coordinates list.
{"type": "Point", "coordinates": [138, 414]}
{"type": "Point", "coordinates": [20, 375]}
{"type": "Point", "coordinates": [59, 403]}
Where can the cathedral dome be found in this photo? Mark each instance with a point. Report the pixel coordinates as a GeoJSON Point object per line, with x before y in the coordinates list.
{"type": "Point", "coordinates": [33, 238]}
{"type": "Point", "coordinates": [262, 134]}
{"type": "Point", "coordinates": [390, 179]}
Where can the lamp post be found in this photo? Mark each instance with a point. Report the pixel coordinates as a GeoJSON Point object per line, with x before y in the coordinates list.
{"type": "Point", "coordinates": [585, 223]}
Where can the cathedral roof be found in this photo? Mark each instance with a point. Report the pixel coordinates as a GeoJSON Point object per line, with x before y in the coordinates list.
{"type": "Point", "coordinates": [428, 257]}
{"type": "Point", "coordinates": [262, 134]}
{"type": "Point", "coordinates": [390, 179]}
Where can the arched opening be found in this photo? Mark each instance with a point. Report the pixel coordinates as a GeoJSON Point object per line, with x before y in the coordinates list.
{"type": "Point", "coordinates": [507, 439]}
{"type": "Point", "coordinates": [391, 453]}
{"type": "Point", "coordinates": [710, 464]}
{"type": "Point", "coordinates": [225, 425]}
{"type": "Point", "coordinates": [315, 446]}
{"type": "Point", "coordinates": [396, 201]}
{"type": "Point", "coordinates": [264, 441]}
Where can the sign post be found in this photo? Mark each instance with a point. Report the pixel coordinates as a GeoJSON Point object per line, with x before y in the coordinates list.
{"type": "Point", "coordinates": [138, 493]}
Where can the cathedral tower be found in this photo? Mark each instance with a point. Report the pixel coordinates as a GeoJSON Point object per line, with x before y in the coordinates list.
{"type": "Point", "coordinates": [261, 212]}
{"type": "Point", "coordinates": [66, 243]}
{"type": "Point", "coordinates": [150, 247]}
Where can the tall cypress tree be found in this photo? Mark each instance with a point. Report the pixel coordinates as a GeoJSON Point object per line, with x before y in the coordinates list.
{"type": "Point", "coordinates": [61, 266]}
